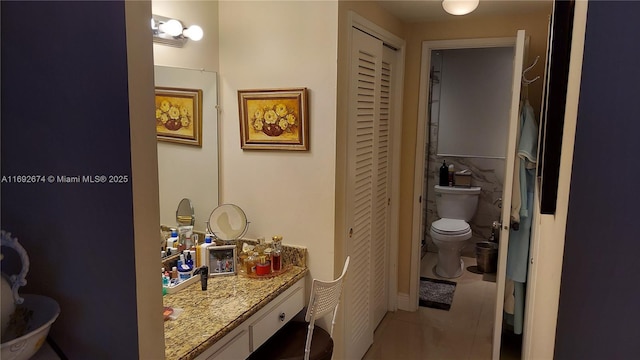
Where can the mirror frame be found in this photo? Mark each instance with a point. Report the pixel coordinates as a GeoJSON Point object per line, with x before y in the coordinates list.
{"type": "Point", "coordinates": [180, 215]}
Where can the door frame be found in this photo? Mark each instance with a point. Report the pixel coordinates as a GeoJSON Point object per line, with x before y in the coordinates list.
{"type": "Point", "coordinates": [422, 145]}
{"type": "Point", "coordinates": [547, 252]}
{"type": "Point", "coordinates": [518, 44]}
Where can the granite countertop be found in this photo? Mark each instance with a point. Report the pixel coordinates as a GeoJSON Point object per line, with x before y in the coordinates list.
{"type": "Point", "coordinates": [210, 315]}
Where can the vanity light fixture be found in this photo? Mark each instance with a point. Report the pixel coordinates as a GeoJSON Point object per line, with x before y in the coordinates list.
{"type": "Point", "coordinates": [171, 32]}
{"type": "Point", "coordinates": [459, 7]}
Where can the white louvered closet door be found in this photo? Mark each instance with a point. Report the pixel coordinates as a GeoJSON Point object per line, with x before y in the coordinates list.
{"type": "Point", "coordinates": [368, 156]}
{"type": "Point", "coordinates": [382, 193]}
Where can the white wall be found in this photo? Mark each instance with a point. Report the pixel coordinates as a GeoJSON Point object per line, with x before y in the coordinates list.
{"type": "Point", "coordinates": [292, 193]}
{"type": "Point", "coordinates": [473, 120]}
{"type": "Point", "coordinates": [184, 164]}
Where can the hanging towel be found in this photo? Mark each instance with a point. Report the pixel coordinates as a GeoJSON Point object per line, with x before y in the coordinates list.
{"type": "Point", "coordinates": [518, 251]}
{"type": "Point", "coordinates": [528, 144]}
{"type": "Point", "coordinates": [509, 297]}
{"type": "Point", "coordinates": [519, 241]}
{"type": "Point", "coordinates": [516, 319]}
{"type": "Point", "coordinates": [526, 158]}
{"type": "Point", "coordinates": [528, 155]}
{"type": "Point", "coordinates": [516, 198]}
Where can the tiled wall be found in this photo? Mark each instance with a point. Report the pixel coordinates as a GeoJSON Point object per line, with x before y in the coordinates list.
{"type": "Point", "coordinates": [486, 173]}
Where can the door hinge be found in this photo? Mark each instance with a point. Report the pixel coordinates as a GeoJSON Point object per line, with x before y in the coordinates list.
{"type": "Point", "coordinates": [420, 199]}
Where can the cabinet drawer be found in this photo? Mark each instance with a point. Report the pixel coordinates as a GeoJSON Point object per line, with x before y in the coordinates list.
{"type": "Point", "coordinates": [263, 328]}
{"type": "Point", "coordinates": [236, 348]}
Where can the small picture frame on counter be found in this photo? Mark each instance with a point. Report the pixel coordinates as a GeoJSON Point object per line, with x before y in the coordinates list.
{"type": "Point", "coordinates": [221, 260]}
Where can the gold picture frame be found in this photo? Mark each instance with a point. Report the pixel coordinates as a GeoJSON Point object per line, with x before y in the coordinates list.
{"type": "Point", "coordinates": [179, 115]}
{"type": "Point", "coordinates": [274, 119]}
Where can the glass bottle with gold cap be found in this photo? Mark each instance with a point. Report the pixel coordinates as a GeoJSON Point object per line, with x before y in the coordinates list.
{"type": "Point", "coordinates": [276, 253]}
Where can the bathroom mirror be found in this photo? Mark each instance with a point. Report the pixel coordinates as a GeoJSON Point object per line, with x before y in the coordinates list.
{"type": "Point", "coordinates": [228, 222]}
{"type": "Point", "coordinates": [187, 171]}
{"type": "Point", "coordinates": [184, 214]}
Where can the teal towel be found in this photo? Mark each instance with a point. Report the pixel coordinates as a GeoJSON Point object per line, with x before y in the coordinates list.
{"type": "Point", "coordinates": [518, 251]}
{"type": "Point", "coordinates": [528, 153]}
{"type": "Point", "coordinates": [528, 145]}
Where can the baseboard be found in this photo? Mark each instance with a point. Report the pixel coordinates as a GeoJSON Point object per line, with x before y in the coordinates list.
{"type": "Point", "coordinates": [405, 303]}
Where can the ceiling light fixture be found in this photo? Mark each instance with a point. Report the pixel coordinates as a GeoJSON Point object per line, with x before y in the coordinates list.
{"type": "Point", "coordinates": [459, 7]}
{"type": "Point", "coordinates": [171, 32]}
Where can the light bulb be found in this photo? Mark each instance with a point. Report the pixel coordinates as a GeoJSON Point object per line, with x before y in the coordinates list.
{"type": "Point", "coordinates": [172, 27]}
{"type": "Point", "coordinates": [459, 7]}
{"type": "Point", "coordinates": [194, 32]}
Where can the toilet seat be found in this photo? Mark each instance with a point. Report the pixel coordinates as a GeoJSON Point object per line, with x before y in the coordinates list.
{"type": "Point", "coordinates": [450, 227]}
{"type": "Point", "coordinates": [450, 236]}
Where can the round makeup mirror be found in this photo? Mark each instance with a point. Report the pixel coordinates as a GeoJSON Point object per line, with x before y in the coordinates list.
{"type": "Point", "coordinates": [185, 214]}
{"type": "Point", "coordinates": [228, 222]}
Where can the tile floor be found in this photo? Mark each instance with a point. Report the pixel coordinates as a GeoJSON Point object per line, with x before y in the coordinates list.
{"type": "Point", "coordinates": [463, 332]}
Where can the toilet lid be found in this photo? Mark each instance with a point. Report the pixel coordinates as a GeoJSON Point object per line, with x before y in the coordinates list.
{"type": "Point", "coordinates": [450, 226]}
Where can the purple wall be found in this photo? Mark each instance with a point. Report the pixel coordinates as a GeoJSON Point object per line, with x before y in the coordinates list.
{"type": "Point", "coordinates": [65, 112]}
{"type": "Point", "coordinates": [599, 314]}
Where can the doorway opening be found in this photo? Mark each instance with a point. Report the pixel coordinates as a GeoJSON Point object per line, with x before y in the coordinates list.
{"type": "Point", "coordinates": [481, 141]}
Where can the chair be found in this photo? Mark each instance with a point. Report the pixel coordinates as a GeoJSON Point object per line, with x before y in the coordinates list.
{"type": "Point", "coordinates": [300, 340]}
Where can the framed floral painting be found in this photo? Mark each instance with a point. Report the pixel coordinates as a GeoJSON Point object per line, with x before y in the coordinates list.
{"type": "Point", "coordinates": [274, 119]}
{"type": "Point", "coordinates": [179, 115]}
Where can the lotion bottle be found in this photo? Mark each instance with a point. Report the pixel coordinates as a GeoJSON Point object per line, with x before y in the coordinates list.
{"type": "Point", "coordinates": [172, 241]}
{"type": "Point", "coordinates": [181, 260]}
{"type": "Point", "coordinates": [203, 250]}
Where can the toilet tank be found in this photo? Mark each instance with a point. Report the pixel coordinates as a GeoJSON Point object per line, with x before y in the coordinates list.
{"type": "Point", "coordinates": [457, 202]}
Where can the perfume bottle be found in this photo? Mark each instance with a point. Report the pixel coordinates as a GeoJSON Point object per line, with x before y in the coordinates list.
{"type": "Point", "coordinates": [242, 259]}
{"type": "Point", "coordinates": [276, 253]}
{"type": "Point", "coordinates": [250, 263]}
{"type": "Point", "coordinates": [260, 246]}
{"type": "Point", "coordinates": [263, 267]}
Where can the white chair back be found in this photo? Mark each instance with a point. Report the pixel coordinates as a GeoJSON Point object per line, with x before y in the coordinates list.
{"type": "Point", "coordinates": [324, 298]}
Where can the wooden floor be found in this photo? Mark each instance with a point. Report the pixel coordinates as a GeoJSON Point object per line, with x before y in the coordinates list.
{"type": "Point", "coordinates": [463, 332]}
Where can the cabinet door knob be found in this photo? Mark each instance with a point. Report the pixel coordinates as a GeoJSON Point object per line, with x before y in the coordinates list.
{"type": "Point", "coordinates": [282, 316]}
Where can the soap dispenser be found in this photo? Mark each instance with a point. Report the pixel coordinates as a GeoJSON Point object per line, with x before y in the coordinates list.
{"type": "Point", "coordinates": [444, 174]}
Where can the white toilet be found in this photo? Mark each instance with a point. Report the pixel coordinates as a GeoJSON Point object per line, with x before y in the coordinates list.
{"type": "Point", "coordinates": [456, 206]}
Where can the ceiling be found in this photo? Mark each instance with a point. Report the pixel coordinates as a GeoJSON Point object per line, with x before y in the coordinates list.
{"type": "Point", "coordinates": [431, 10]}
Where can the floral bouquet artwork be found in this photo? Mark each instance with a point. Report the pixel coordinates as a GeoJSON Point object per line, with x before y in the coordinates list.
{"type": "Point", "coordinates": [273, 119]}
{"type": "Point", "coordinates": [179, 115]}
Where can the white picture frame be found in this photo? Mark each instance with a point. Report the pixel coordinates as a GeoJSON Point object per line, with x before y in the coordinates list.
{"type": "Point", "coordinates": [221, 260]}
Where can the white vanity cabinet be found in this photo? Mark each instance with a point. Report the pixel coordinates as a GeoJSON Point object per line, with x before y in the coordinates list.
{"type": "Point", "coordinates": [254, 331]}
